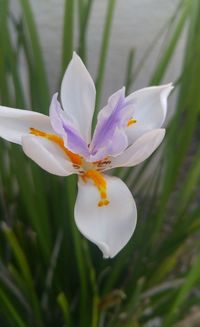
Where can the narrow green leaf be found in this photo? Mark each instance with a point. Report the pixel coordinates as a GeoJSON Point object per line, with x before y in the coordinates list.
{"type": "Point", "coordinates": [64, 306]}
{"type": "Point", "coordinates": [190, 185]}
{"type": "Point", "coordinates": [129, 69]}
{"type": "Point", "coordinates": [25, 270]}
{"type": "Point", "coordinates": [68, 33]}
{"type": "Point", "coordinates": [71, 196]}
{"type": "Point", "coordinates": [190, 281]}
{"type": "Point", "coordinates": [10, 312]}
{"type": "Point", "coordinates": [6, 279]}
{"type": "Point", "coordinates": [103, 52]}
{"type": "Point", "coordinates": [37, 55]}
{"type": "Point", "coordinates": [171, 45]}
{"type": "Point", "coordinates": [84, 15]}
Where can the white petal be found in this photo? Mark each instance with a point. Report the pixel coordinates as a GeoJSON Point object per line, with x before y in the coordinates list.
{"type": "Point", "coordinates": [109, 227]}
{"type": "Point", "coordinates": [78, 96]}
{"type": "Point", "coordinates": [140, 150]}
{"type": "Point", "coordinates": [15, 123]}
{"type": "Point", "coordinates": [47, 155]}
{"type": "Point", "coordinates": [150, 109]}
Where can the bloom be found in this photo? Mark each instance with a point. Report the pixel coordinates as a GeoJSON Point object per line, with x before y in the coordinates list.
{"type": "Point", "coordinates": [128, 131]}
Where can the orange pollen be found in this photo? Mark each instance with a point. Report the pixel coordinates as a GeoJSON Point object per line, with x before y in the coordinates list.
{"type": "Point", "coordinates": [131, 122]}
{"type": "Point", "coordinates": [75, 158]}
{"type": "Point", "coordinates": [100, 182]}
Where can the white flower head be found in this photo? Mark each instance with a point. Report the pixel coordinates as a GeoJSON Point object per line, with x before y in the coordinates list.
{"type": "Point", "coordinates": [128, 131]}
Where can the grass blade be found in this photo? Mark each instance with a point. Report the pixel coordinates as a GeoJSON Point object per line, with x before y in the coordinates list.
{"type": "Point", "coordinates": [103, 52]}
{"type": "Point", "coordinates": [191, 279]}
{"type": "Point", "coordinates": [41, 77]}
{"type": "Point", "coordinates": [68, 33]}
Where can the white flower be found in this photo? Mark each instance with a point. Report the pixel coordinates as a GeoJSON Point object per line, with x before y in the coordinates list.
{"type": "Point", "coordinates": [128, 131]}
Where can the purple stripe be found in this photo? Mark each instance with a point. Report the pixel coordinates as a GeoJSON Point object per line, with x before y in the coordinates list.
{"type": "Point", "coordinates": [72, 138]}
{"type": "Point", "coordinates": [74, 141]}
{"type": "Point", "coordinates": [107, 124]}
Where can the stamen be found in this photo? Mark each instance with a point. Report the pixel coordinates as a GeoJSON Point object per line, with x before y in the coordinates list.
{"type": "Point", "coordinates": [75, 158]}
{"type": "Point", "coordinates": [101, 164]}
{"type": "Point", "coordinates": [131, 121]}
{"type": "Point", "coordinates": [100, 182]}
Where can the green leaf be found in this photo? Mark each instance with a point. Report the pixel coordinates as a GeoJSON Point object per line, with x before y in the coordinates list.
{"type": "Point", "coordinates": [64, 306]}
{"type": "Point", "coordinates": [41, 78]}
{"type": "Point", "coordinates": [68, 33]}
{"type": "Point", "coordinates": [25, 270]}
{"type": "Point", "coordinates": [10, 312]}
{"type": "Point", "coordinates": [190, 281]}
{"type": "Point", "coordinates": [103, 53]}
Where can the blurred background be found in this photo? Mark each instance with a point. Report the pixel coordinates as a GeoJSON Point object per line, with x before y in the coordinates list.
{"type": "Point", "coordinates": [135, 24]}
{"type": "Point", "coordinates": [49, 274]}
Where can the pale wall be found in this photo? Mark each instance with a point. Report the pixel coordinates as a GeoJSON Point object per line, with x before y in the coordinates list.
{"type": "Point", "coordinates": [136, 23]}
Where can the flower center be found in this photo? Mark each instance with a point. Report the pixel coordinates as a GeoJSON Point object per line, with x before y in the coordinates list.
{"type": "Point", "coordinates": [78, 162]}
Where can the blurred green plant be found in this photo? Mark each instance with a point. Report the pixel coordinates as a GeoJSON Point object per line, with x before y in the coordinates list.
{"type": "Point", "coordinates": [49, 274]}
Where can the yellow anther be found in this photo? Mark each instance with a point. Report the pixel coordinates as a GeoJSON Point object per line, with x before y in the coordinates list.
{"type": "Point", "coordinates": [131, 122]}
{"type": "Point", "coordinates": [103, 203]}
{"type": "Point", "coordinates": [100, 204]}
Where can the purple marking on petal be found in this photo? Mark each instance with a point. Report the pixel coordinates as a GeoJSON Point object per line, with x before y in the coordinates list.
{"type": "Point", "coordinates": [54, 114]}
{"type": "Point", "coordinates": [74, 141]}
{"type": "Point", "coordinates": [72, 138]}
{"type": "Point", "coordinates": [110, 135]}
{"type": "Point", "coordinates": [113, 147]}
{"type": "Point", "coordinates": [108, 119]}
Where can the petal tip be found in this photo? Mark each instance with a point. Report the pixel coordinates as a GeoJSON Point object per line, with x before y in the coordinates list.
{"type": "Point", "coordinates": [123, 89]}
{"type": "Point", "coordinates": [76, 59]}
{"type": "Point", "coordinates": [167, 88]}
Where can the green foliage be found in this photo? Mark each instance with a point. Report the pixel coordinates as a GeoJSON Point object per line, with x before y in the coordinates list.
{"type": "Point", "coordinates": [49, 274]}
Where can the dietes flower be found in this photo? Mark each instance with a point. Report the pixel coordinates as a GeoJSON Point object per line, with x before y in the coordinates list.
{"type": "Point", "coordinates": [128, 131]}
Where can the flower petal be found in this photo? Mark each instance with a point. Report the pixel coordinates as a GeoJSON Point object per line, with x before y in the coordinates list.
{"type": "Point", "coordinates": [143, 147]}
{"type": "Point", "coordinates": [47, 155]}
{"type": "Point", "coordinates": [71, 136]}
{"type": "Point", "coordinates": [78, 96]}
{"type": "Point", "coordinates": [109, 135]}
{"type": "Point", "coordinates": [113, 147]}
{"type": "Point", "coordinates": [150, 109]}
{"type": "Point", "coordinates": [109, 227]}
{"type": "Point", "coordinates": [15, 123]}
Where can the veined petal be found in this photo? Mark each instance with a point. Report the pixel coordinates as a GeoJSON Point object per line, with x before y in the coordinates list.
{"type": "Point", "coordinates": [15, 123]}
{"type": "Point", "coordinates": [55, 115]}
{"type": "Point", "coordinates": [109, 135]}
{"type": "Point", "coordinates": [109, 227]}
{"type": "Point", "coordinates": [150, 109]}
{"type": "Point", "coordinates": [78, 96]}
{"type": "Point", "coordinates": [47, 155]}
{"type": "Point", "coordinates": [63, 127]}
{"type": "Point", "coordinates": [143, 147]}
{"type": "Point", "coordinates": [113, 147]}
